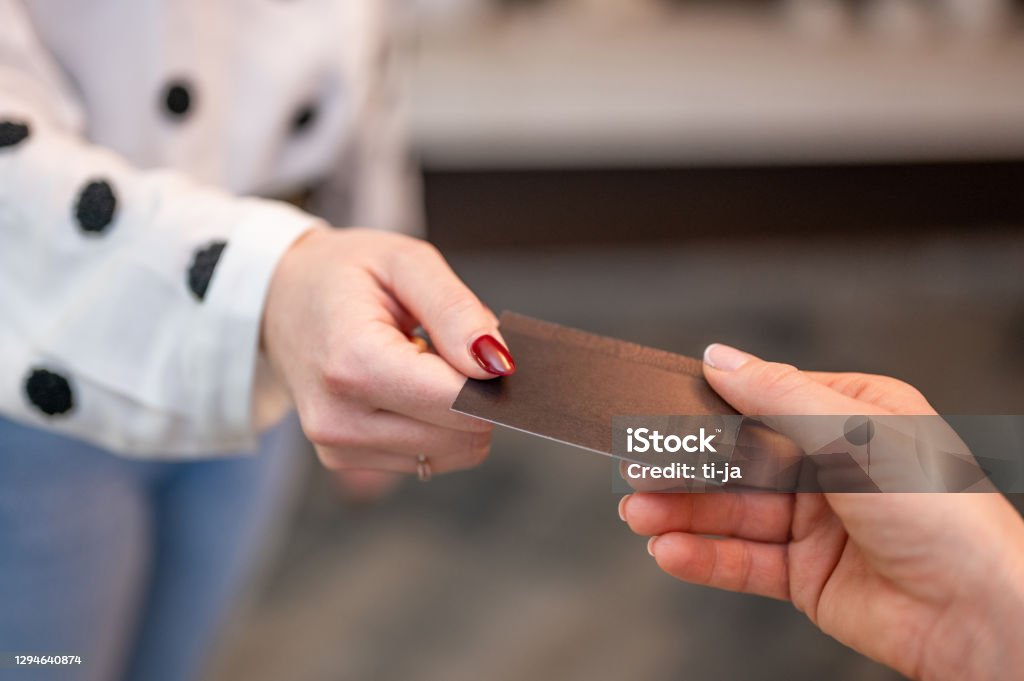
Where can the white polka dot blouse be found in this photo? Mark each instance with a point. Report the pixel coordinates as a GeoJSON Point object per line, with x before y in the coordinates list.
{"type": "Point", "coordinates": [132, 270]}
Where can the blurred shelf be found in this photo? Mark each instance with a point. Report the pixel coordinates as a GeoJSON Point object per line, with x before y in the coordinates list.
{"type": "Point", "coordinates": [706, 87]}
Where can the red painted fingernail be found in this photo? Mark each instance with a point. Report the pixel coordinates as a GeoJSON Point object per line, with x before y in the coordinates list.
{"type": "Point", "coordinates": [492, 356]}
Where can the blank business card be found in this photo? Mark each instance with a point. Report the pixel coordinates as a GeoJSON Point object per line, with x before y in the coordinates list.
{"type": "Point", "coordinates": [569, 384]}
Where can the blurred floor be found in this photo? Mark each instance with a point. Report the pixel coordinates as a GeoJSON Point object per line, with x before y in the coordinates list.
{"type": "Point", "coordinates": [522, 569]}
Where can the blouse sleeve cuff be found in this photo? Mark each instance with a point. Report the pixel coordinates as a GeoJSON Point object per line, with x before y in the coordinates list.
{"type": "Point", "coordinates": [234, 302]}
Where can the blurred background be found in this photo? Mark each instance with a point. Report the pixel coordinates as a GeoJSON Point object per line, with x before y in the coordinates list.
{"type": "Point", "coordinates": [833, 183]}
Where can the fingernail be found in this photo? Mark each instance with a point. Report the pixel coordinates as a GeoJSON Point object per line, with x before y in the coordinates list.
{"type": "Point", "coordinates": [650, 545]}
{"type": "Point", "coordinates": [492, 356]}
{"type": "Point", "coordinates": [724, 357]}
{"type": "Point", "coordinates": [622, 507]}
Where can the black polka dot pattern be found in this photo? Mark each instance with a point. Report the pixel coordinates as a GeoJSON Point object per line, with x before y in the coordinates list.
{"type": "Point", "coordinates": [203, 264]}
{"type": "Point", "coordinates": [49, 392]}
{"type": "Point", "coordinates": [96, 207]}
{"type": "Point", "coordinates": [304, 119]}
{"type": "Point", "coordinates": [13, 133]}
{"type": "Point", "coordinates": [178, 98]}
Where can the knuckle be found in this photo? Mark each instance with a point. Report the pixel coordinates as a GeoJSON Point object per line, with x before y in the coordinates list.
{"type": "Point", "coordinates": [316, 428]}
{"type": "Point", "coordinates": [336, 377]}
{"type": "Point", "coordinates": [745, 572]}
{"type": "Point", "coordinates": [778, 381]}
{"type": "Point", "coordinates": [347, 373]}
{"type": "Point", "coordinates": [735, 513]}
{"type": "Point", "coordinates": [426, 249]}
{"type": "Point", "coordinates": [329, 459]}
{"type": "Point", "coordinates": [455, 303]}
{"type": "Point", "coordinates": [409, 251]}
{"type": "Point", "coordinates": [713, 566]}
{"type": "Point", "coordinates": [873, 387]}
{"type": "Point", "coordinates": [326, 430]}
{"type": "Point", "coordinates": [902, 388]}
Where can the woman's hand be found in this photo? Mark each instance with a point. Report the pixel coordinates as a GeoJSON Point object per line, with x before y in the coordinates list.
{"type": "Point", "coordinates": [929, 584]}
{"type": "Point", "coordinates": [336, 327]}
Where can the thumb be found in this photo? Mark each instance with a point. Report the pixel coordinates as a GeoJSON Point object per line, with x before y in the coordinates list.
{"type": "Point", "coordinates": [464, 332]}
{"type": "Point", "coordinates": [779, 394]}
{"type": "Point", "coordinates": [755, 387]}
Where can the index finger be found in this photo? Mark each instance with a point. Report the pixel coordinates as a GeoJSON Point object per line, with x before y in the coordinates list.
{"type": "Point", "coordinates": [464, 331]}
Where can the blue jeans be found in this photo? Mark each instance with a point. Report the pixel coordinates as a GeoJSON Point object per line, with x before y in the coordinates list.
{"type": "Point", "coordinates": [131, 564]}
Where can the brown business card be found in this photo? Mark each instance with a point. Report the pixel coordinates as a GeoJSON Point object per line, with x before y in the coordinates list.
{"type": "Point", "coordinates": [569, 384]}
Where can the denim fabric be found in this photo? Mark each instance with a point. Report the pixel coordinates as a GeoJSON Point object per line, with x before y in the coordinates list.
{"type": "Point", "coordinates": [132, 564]}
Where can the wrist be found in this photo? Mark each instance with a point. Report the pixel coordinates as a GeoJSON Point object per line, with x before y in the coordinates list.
{"type": "Point", "coordinates": [290, 323]}
{"type": "Point", "coordinates": [980, 637]}
{"type": "Point", "coordinates": [287, 272]}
